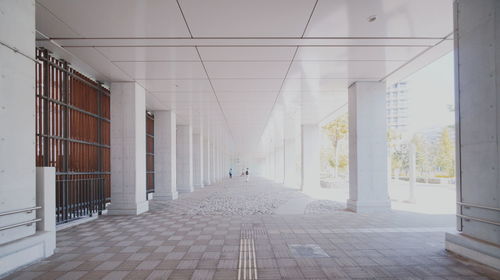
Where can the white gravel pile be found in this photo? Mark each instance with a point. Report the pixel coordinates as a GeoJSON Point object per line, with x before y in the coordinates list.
{"type": "Point", "coordinates": [243, 201]}
{"type": "Point", "coordinates": [324, 207]}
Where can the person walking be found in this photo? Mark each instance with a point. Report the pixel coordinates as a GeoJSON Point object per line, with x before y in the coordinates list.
{"type": "Point", "coordinates": [247, 175]}
{"type": "Point", "coordinates": [230, 173]}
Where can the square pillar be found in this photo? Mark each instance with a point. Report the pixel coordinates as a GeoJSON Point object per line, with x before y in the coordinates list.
{"type": "Point", "coordinates": [477, 103]}
{"type": "Point", "coordinates": [212, 163]}
{"type": "Point", "coordinates": [206, 162]}
{"type": "Point", "coordinates": [367, 148]}
{"type": "Point", "coordinates": [198, 160]}
{"type": "Point", "coordinates": [184, 158]}
{"type": "Point", "coordinates": [165, 156]}
{"type": "Point", "coordinates": [310, 157]}
{"type": "Point", "coordinates": [128, 149]}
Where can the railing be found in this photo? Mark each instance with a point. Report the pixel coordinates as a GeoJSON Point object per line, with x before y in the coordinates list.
{"type": "Point", "coordinates": [25, 223]}
{"type": "Point", "coordinates": [78, 198]}
{"type": "Point", "coordinates": [470, 205]}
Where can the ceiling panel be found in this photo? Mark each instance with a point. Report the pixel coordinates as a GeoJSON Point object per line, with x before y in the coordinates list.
{"type": "Point", "coordinates": [304, 85]}
{"type": "Point", "coordinates": [183, 85]}
{"type": "Point", "coordinates": [248, 69]}
{"type": "Point", "coordinates": [358, 53]}
{"type": "Point", "coordinates": [241, 18]}
{"type": "Point", "coordinates": [374, 70]}
{"type": "Point", "coordinates": [246, 53]}
{"type": "Point", "coordinates": [119, 18]}
{"type": "Point", "coordinates": [49, 25]}
{"type": "Point", "coordinates": [162, 69]}
{"type": "Point", "coordinates": [150, 53]}
{"type": "Point", "coordinates": [249, 85]}
{"type": "Point", "coordinates": [394, 18]}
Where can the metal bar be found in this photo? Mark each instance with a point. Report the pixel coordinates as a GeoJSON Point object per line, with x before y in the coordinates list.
{"type": "Point", "coordinates": [96, 86]}
{"type": "Point", "coordinates": [74, 140]}
{"type": "Point", "coordinates": [27, 210]}
{"type": "Point", "coordinates": [478, 220]}
{"type": "Point", "coordinates": [45, 109]}
{"type": "Point", "coordinates": [75, 108]}
{"type": "Point", "coordinates": [477, 206]}
{"type": "Point", "coordinates": [83, 173]}
{"type": "Point", "coordinates": [28, 223]}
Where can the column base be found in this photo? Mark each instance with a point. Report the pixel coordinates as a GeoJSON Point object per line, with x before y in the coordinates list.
{"type": "Point", "coordinates": [206, 183]}
{"type": "Point", "coordinates": [128, 208]}
{"type": "Point", "coordinates": [166, 197]}
{"type": "Point", "coordinates": [185, 190]}
{"type": "Point", "coordinates": [368, 206]}
{"type": "Point", "coordinates": [474, 249]}
{"type": "Point", "coordinates": [200, 186]}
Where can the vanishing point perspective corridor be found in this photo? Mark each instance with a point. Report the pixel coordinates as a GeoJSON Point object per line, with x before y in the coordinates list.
{"type": "Point", "coordinates": [255, 230]}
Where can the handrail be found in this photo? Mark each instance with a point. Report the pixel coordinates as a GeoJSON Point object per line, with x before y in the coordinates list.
{"type": "Point", "coordinates": [28, 223]}
{"type": "Point", "coordinates": [477, 206]}
{"type": "Point", "coordinates": [478, 220]}
{"type": "Point", "coordinates": [29, 210]}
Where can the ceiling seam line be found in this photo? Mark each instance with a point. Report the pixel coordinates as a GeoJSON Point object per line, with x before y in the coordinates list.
{"type": "Point", "coordinates": [309, 20]}
{"type": "Point", "coordinates": [184, 17]}
{"type": "Point", "coordinates": [251, 38]}
{"type": "Point", "coordinates": [280, 90]}
{"type": "Point", "coordinates": [215, 94]}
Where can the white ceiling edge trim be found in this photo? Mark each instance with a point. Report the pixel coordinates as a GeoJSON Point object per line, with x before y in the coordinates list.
{"type": "Point", "coordinates": [246, 42]}
{"type": "Point", "coordinates": [72, 59]}
{"type": "Point", "coordinates": [425, 58]}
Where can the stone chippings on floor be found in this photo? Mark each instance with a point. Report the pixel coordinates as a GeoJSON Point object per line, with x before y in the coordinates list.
{"type": "Point", "coordinates": [170, 243]}
{"type": "Point", "coordinates": [323, 207]}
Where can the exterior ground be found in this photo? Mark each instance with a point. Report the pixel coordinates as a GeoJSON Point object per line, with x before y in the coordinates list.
{"type": "Point", "coordinates": [199, 235]}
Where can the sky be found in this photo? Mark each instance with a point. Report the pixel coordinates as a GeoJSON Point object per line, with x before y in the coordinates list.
{"type": "Point", "coordinates": [431, 92]}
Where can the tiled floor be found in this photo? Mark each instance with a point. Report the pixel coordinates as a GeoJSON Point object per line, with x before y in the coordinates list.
{"type": "Point", "coordinates": [177, 240]}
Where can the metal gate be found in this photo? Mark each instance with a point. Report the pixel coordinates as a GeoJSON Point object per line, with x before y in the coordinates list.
{"type": "Point", "coordinates": [73, 135]}
{"type": "Point", "coordinates": [150, 156]}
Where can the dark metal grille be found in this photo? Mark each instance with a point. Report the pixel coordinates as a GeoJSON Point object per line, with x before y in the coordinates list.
{"type": "Point", "coordinates": [150, 156]}
{"type": "Point", "coordinates": [73, 135]}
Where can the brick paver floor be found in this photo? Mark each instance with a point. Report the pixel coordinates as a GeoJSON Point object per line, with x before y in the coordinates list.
{"type": "Point", "coordinates": [198, 237]}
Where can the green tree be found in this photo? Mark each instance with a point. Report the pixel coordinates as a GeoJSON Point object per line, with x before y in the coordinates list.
{"type": "Point", "coordinates": [445, 156]}
{"type": "Point", "coordinates": [336, 131]}
{"type": "Point", "coordinates": [422, 158]}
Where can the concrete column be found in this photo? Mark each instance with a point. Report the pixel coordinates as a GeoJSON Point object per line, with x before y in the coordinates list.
{"type": "Point", "coordinates": [206, 162]}
{"type": "Point", "coordinates": [477, 97]}
{"type": "Point", "coordinates": [184, 158]}
{"type": "Point", "coordinates": [212, 163]}
{"type": "Point", "coordinates": [165, 156]}
{"type": "Point", "coordinates": [310, 157]}
{"type": "Point", "coordinates": [128, 149]}
{"type": "Point", "coordinates": [17, 121]}
{"type": "Point", "coordinates": [198, 160]}
{"type": "Point", "coordinates": [367, 147]}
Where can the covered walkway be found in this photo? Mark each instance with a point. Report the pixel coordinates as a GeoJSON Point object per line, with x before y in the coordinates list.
{"type": "Point", "coordinates": [198, 237]}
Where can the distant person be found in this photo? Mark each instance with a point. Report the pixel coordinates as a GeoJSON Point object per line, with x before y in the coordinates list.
{"type": "Point", "coordinates": [247, 174]}
{"type": "Point", "coordinates": [242, 172]}
{"type": "Point", "coordinates": [230, 173]}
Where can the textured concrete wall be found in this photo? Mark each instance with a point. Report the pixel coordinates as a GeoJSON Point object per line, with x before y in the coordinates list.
{"type": "Point", "coordinates": [17, 121]}
{"type": "Point", "coordinates": [478, 95]}
{"type": "Point", "coordinates": [165, 156]}
{"type": "Point", "coordinates": [367, 147]}
{"type": "Point", "coordinates": [128, 149]}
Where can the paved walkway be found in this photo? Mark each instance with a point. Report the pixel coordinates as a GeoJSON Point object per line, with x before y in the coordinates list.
{"type": "Point", "coordinates": [208, 233]}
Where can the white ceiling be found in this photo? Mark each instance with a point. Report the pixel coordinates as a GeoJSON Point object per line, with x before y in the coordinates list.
{"type": "Point", "coordinates": [228, 64]}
